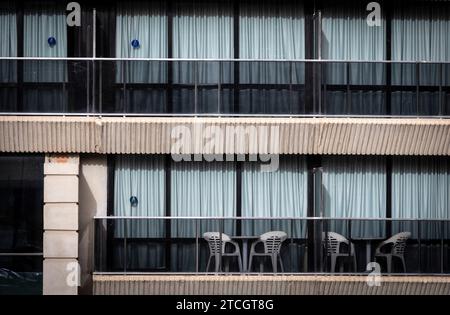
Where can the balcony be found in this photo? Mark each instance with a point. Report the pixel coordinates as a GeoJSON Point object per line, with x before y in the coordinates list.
{"type": "Point", "coordinates": [223, 87]}
{"type": "Point", "coordinates": [179, 245]}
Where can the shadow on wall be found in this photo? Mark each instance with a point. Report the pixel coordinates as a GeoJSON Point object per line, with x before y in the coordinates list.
{"type": "Point", "coordinates": [93, 202]}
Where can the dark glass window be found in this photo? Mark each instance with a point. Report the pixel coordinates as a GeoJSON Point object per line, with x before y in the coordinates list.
{"type": "Point", "coordinates": [21, 193]}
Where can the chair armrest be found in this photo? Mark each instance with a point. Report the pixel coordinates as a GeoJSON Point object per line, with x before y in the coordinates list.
{"type": "Point", "coordinates": [253, 246]}
{"type": "Point", "coordinates": [236, 246]}
{"type": "Point", "coordinates": [380, 246]}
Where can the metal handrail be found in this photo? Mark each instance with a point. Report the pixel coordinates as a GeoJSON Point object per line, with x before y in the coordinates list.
{"type": "Point", "coordinates": [228, 60]}
{"type": "Point", "coordinates": [266, 218]}
{"type": "Point", "coordinates": [214, 115]}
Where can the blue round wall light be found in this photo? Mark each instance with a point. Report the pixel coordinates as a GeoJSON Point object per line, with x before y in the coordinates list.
{"type": "Point", "coordinates": [133, 201]}
{"type": "Point", "coordinates": [51, 41]}
{"type": "Point", "coordinates": [135, 43]}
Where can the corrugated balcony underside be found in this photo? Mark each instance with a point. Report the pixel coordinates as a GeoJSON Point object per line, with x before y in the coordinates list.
{"type": "Point", "coordinates": [154, 135]}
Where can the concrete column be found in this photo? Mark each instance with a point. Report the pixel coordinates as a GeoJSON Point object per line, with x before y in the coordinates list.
{"type": "Point", "coordinates": [93, 202]}
{"type": "Point", "coordinates": [61, 271]}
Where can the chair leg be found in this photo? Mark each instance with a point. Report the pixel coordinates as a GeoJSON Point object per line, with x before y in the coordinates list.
{"type": "Point", "coordinates": [261, 266]}
{"type": "Point", "coordinates": [217, 263]}
{"type": "Point", "coordinates": [403, 263]}
{"type": "Point", "coordinates": [209, 261]}
{"type": "Point", "coordinates": [354, 263]}
{"type": "Point", "coordinates": [389, 263]}
{"type": "Point", "coordinates": [240, 263]}
{"type": "Point", "coordinates": [274, 263]}
{"type": "Point", "coordinates": [227, 265]}
{"type": "Point", "coordinates": [333, 263]}
{"type": "Point", "coordinates": [281, 263]}
{"type": "Point", "coordinates": [249, 267]}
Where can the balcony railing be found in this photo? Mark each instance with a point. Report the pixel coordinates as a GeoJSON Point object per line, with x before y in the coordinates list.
{"type": "Point", "coordinates": [179, 245]}
{"type": "Point", "coordinates": [223, 87]}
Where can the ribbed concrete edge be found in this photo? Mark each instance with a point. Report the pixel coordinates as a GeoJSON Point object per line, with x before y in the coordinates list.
{"type": "Point", "coordinates": [267, 285]}
{"type": "Point", "coordinates": [155, 135]}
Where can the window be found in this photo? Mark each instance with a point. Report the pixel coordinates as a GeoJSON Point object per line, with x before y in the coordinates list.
{"type": "Point", "coordinates": [281, 193]}
{"type": "Point", "coordinates": [8, 48]}
{"type": "Point", "coordinates": [146, 23]}
{"type": "Point", "coordinates": [271, 30]}
{"type": "Point", "coordinates": [355, 187]}
{"type": "Point", "coordinates": [21, 230]}
{"type": "Point", "coordinates": [420, 32]}
{"type": "Point", "coordinates": [347, 36]}
{"type": "Point", "coordinates": [203, 29]}
{"type": "Point", "coordinates": [45, 81]}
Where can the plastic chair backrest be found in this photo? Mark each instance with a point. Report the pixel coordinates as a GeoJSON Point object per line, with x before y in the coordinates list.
{"type": "Point", "coordinates": [399, 242]}
{"type": "Point", "coordinates": [334, 242]}
{"type": "Point", "coordinates": [213, 239]}
{"type": "Point", "coordinates": [272, 241]}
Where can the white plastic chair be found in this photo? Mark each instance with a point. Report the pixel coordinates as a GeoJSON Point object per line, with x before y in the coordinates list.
{"type": "Point", "coordinates": [398, 242]}
{"type": "Point", "coordinates": [272, 242]}
{"type": "Point", "coordinates": [333, 242]}
{"type": "Point", "coordinates": [217, 251]}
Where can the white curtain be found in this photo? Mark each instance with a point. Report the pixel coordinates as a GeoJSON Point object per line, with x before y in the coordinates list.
{"type": "Point", "coordinates": [205, 189]}
{"type": "Point", "coordinates": [271, 30]}
{"type": "Point", "coordinates": [420, 32]}
{"type": "Point", "coordinates": [147, 23]}
{"type": "Point", "coordinates": [203, 30]}
{"type": "Point", "coordinates": [142, 177]}
{"type": "Point", "coordinates": [202, 189]}
{"type": "Point", "coordinates": [8, 48]}
{"type": "Point", "coordinates": [347, 36]}
{"type": "Point", "coordinates": [42, 21]}
{"type": "Point", "coordinates": [420, 190]}
{"type": "Point", "coordinates": [355, 187]}
{"type": "Point", "coordinates": [281, 193]}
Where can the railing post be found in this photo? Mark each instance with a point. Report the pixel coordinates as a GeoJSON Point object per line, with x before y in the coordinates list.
{"type": "Point", "coordinates": [441, 111]}
{"type": "Point", "coordinates": [195, 87]}
{"type": "Point", "coordinates": [196, 246]}
{"type": "Point", "coordinates": [442, 246]}
{"type": "Point", "coordinates": [419, 244]}
{"type": "Point", "coordinates": [417, 87]}
{"type": "Point", "coordinates": [125, 252]}
{"type": "Point", "coordinates": [100, 88]}
{"type": "Point", "coordinates": [88, 94]}
{"type": "Point", "coordinates": [219, 268]}
{"type": "Point", "coordinates": [219, 87]}
{"type": "Point", "coordinates": [291, 96]}
{"type": "Point", "coordinates": [348, 99]}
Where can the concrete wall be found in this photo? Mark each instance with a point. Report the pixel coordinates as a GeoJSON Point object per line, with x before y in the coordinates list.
{"type": "Point", "coordinates": [92, 202]}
